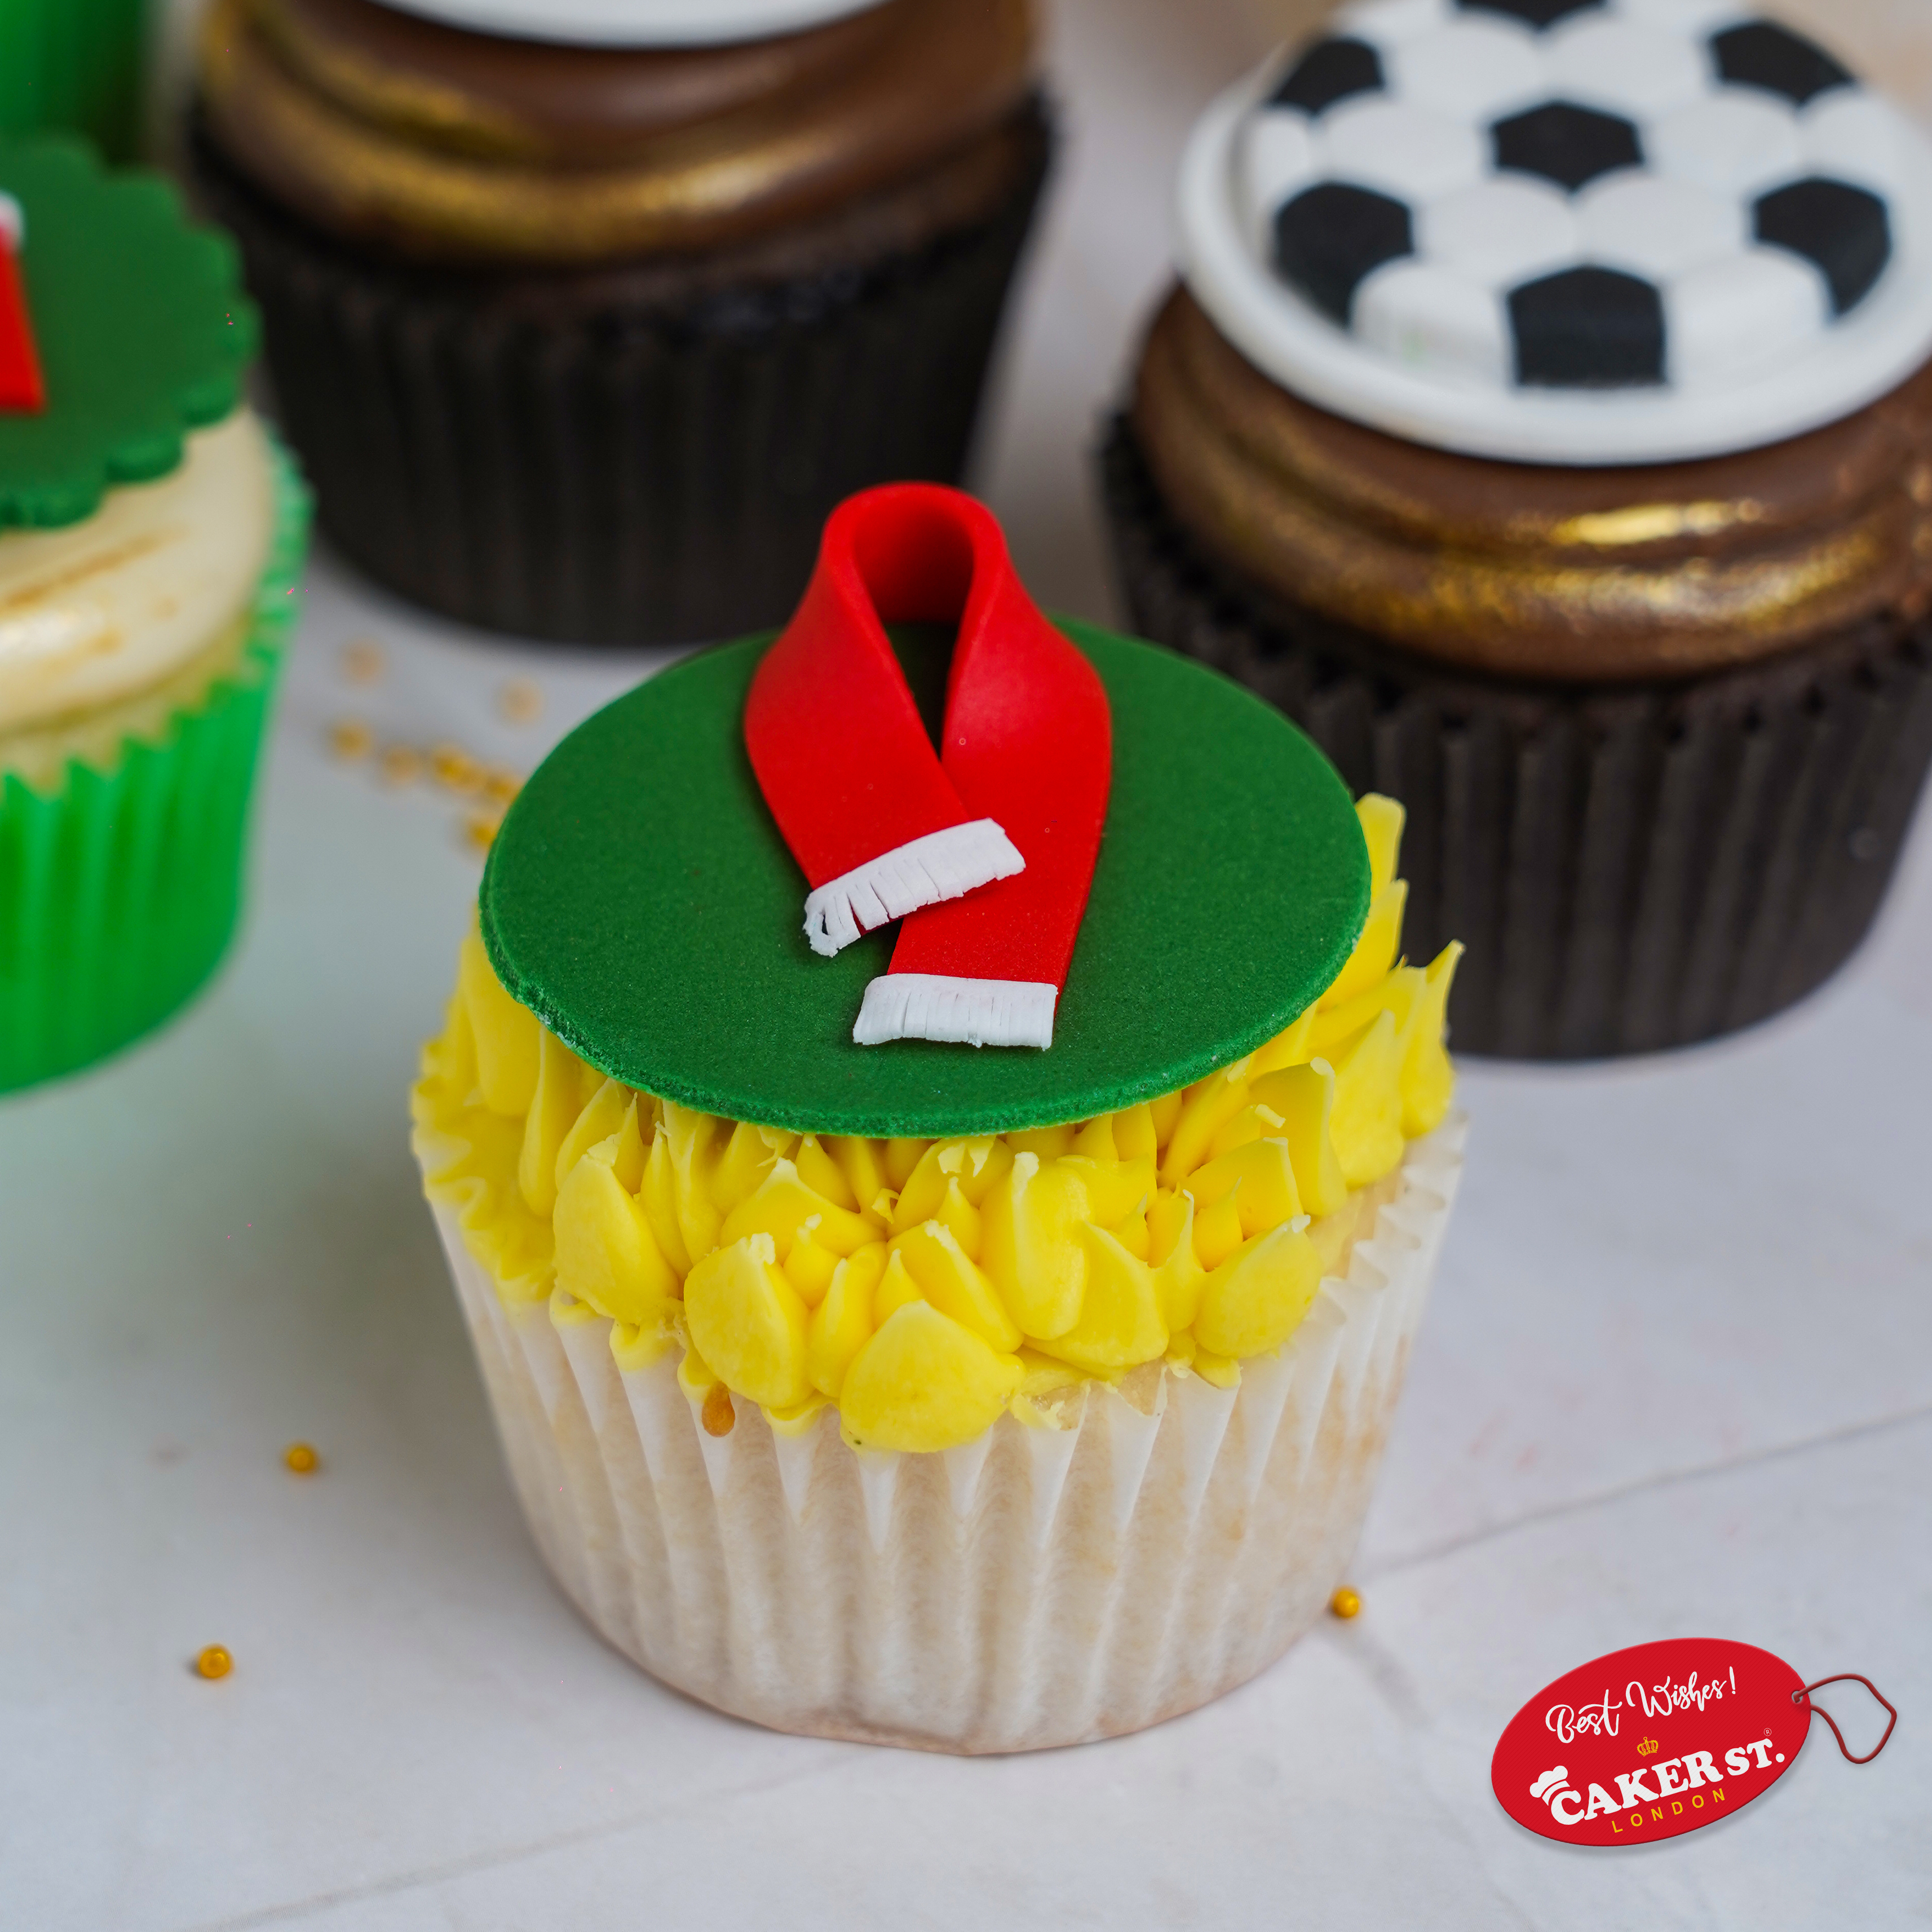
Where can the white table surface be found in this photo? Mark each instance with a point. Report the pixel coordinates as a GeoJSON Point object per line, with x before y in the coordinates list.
{"type": "Point", "coordinates": [1677, 1379]}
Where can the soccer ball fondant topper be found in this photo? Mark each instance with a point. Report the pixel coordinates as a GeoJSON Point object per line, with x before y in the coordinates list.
{"type": "Point", "coordinates": [1566, 231]}
{"type": "Point", "coordinates": [985, 847]}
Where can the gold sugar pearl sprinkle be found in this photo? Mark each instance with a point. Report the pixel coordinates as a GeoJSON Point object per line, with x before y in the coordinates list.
{"type": "Point", "coordinates": [454, 769]}
{"type": "Point", "coordinates": [480, 832]}
{"type": "Point", "coordinates": [302, 1460]}
{"type": "Point", "coordinates": [719, 1415]}
{"type": "Point", "coordinates": [519, 702]}
{"type": "Point", "coordinates": [215, 1662]}
{"type": "Point", "coordinates": [1345, 1603]}
{"type": "Point", "coordinates": [401, 764]}
{"type": "Point", "coordinates": [350, 739]}
{"type": "Point", "coordinates": [501, 786]}
{"type": "Point", "coordinates": [363, 661]}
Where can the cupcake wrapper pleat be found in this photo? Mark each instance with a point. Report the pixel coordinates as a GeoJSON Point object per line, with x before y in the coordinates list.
{"type": "Point", "coordinates": [1037, 1587]}
{"type": "Point", "coordinates": [597, 471]}
{"type": "Point", "coordinates": [1631, 868]}
{"type": "Point", "coordinates": [119, 890]}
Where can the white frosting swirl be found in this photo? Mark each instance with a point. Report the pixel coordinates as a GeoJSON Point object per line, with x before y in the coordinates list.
{"type": "Point", "coordinates": [103, 609]}
{"type": "Point", "coordinates": [636, 23]}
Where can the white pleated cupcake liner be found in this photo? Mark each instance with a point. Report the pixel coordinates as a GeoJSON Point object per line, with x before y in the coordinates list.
{"type": "Point", "coordinates": [1037, 1587]}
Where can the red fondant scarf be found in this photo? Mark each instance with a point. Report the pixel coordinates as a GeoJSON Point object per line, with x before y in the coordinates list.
{"type": "Point", "coordinates": [20, 389]}
{"type": "Point", "coordinates": [986, 849]}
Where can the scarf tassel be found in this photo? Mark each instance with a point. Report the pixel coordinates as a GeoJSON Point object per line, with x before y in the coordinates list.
{"type": "Point", "coordinates": [972, 1012]}
{"type": "Point", "coordinates": [942, 865]}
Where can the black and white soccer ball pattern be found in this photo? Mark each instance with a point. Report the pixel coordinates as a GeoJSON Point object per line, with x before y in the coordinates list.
{"type": "Point", "coordinates": [1592, 197]}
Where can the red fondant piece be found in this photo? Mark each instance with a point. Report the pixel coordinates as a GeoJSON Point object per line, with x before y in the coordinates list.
{"type": "Point", "coordinates": [835, 738]}
{"type": "Point", "coordinates": [849, 772]}
{"type": "Point", "coordinates": [21, 389]}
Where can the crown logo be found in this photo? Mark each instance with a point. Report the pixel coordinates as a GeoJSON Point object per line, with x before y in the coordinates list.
{"type": "Point", "coordinates": [1646, 1748]}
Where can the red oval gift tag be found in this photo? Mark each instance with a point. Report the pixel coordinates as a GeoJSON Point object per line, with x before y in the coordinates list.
{"type": "Point", "coordinates": [1650, 1742]}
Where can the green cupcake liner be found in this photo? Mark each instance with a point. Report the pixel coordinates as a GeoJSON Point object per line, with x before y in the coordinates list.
{"type": "Point", "coordinates": [120, 891]}
{"type": "Point", "coordinates": [74, 66]}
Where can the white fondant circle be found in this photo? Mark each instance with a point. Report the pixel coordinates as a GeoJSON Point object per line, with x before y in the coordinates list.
{"type": "Point", "coordinates": [635, 23]}
{"type": "Point", "coordinates": [1427, 357]}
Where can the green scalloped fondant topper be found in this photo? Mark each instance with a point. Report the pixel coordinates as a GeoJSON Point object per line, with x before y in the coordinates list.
{"type": "Point", "coordinates": [142, 327]}
{"type": "Point", "coordinates": [639, 899]}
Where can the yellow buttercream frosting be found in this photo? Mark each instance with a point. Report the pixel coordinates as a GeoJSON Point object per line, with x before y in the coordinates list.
{"type": "Point", "coordinates": [925, 1287]}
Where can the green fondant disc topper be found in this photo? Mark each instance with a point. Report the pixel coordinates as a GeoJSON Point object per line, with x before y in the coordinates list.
{"type": "Point", "coordinates": [639, 899]}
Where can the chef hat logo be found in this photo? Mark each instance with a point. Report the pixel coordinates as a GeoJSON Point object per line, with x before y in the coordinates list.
{"type": "Point", "coordinates": [1546, 1786]}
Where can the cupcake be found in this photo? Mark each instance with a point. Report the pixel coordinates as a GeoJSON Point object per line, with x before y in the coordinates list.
{"type": "Point", "coordinates": [150, 536]}
{"type": "Point", "coordinates": [73, 67]}
{"type": "Point", "coordinates": [972, 1322]}
{"type": "Point", "coordinates": [1542, 420]}
{"type": "Point", "coordinates": [583, 316]}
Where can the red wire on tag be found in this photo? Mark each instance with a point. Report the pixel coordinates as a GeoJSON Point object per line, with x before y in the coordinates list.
{"type": "Point", "coordinates": [1803, 1695]}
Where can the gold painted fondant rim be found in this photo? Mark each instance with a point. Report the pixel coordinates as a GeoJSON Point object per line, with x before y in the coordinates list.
{"type": "Point", "coordinates": [432, 172]}
{"type": "Point", "coordinates": [1457, 559]}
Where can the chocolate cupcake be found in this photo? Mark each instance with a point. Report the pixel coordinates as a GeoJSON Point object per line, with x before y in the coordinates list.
{"type": "Point", "coordinates": [583, 317]}
{"type": "Point", "coordinates": [1544, 422]}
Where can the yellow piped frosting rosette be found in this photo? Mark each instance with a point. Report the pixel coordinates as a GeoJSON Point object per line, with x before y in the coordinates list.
{"type": "Point", "coordinates": [923, 1287]}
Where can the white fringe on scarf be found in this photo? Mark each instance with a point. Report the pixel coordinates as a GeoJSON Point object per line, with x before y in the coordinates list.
{"type": "Point", "coordinates": [941, 865]}
{"type": "Point", "coordinates": [936, 1006]}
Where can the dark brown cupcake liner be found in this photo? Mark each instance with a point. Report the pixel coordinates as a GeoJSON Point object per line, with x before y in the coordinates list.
{"type": "Point", "coordinates": [1632, 867]}
{"type": "Point", "coordinates": [596, 457]}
